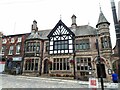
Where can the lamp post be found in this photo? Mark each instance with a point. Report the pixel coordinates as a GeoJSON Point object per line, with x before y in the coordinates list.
{"type": "Point", "coordinates": [117, 30]}
{"type": "Point", "coordinates": [74, 58]}
{"type": "Point", "coordinates": [99, 62]}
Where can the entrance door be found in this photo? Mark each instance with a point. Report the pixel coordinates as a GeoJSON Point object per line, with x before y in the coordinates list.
{"type": "Point", "coordinates": [46, 68]}
{"type": "Point", "coordinates": [103, 70]}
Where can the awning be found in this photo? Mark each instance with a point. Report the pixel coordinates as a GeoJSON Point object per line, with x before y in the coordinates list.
{"type": "Point", "coordinates": [17, 59]}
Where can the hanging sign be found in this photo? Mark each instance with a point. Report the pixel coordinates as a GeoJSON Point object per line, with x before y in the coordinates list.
{"type": "Point", "coordinates": [109, 71]}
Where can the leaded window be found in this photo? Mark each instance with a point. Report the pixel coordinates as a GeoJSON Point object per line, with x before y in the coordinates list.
{"type": "Point", "coordinates": [105, 42]}
{"type": "Point", "coordinates": [38, 47]}
{"type": "Point", "coordinates": [36, 64]}
{"type": "Point", "coordinates": [61, 64]}
{"type": "Point", "coordinates": [31, 64]}
{"type": "Point", "coordinates": [61, 40]}
{"type": "Point", "coordinates": [32, 47]}
{"type": "Point", "coordinates": [47, 47]}
{"type": "Point", "coordinates": [83, 64]}
{"type": "Point", "coordinates": [82, 44]}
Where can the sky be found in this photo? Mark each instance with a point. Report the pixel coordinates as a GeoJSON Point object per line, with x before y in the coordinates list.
{"type": "Point", "coordinates": [17, 16]}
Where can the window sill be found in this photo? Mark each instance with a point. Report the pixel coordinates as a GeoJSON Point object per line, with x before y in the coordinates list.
{"type": "Point", "coordinates": [17, 53]}
{"type": "Point", "coordinates": [10, 54]}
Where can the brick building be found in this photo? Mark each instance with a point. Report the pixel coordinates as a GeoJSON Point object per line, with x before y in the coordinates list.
{"type": "Point", "coordinates": [13, 50]}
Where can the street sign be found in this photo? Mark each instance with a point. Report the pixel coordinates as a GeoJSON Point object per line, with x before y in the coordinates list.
{"type": "Point", "coordinates": [93, 83]}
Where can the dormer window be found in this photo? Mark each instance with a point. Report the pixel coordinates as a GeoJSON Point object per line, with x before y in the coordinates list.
{"type": "Point", "coordinates": [18, 49]}
{"type": "Point", "coordinates": [11, 50]}
{"type": "Point", "coordinates": [19, 39]}
{"type": "Point", "coordinates": [12, 40]}
{"type": "Point", "coordinates": [4, 41]}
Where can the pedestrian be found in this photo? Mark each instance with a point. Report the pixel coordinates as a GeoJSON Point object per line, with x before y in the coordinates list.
{"type": "Point", "coordinates": [17, 70]}
{"type": "Point", "coordinates": [114, 77]}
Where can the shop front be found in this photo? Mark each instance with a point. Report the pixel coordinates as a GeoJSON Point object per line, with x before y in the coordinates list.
{"type": "Point", "coordinates": [17, 64]}
{"type": "Point", "coordinates": [2, 64]}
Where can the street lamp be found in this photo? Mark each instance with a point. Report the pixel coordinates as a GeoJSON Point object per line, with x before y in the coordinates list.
{"type": "Point", "coordinates": [99, 62]}
{"type": "Point", "coordinates": [117, 30]}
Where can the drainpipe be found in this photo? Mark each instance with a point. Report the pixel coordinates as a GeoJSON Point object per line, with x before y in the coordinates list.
{"type": "Point", "coordinates": [99, 62]}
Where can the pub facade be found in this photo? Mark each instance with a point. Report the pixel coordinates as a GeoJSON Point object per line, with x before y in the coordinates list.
{"type": "Point", "coordinates": [67, 51]}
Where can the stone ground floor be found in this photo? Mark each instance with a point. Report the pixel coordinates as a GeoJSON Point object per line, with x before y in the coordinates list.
{"type": "Point", "coordinates": [81, 67]}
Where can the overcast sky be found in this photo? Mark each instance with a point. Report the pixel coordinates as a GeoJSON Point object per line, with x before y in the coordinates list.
{"type": "Point", "coordinates": [16, 16]}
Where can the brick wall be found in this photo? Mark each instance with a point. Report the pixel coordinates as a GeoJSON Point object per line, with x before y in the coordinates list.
{"type": "Point", "coordinates": [8, 44]}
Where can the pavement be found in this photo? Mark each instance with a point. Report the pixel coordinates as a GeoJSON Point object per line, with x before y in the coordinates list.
{"type": "Point", "coordinates": [106, 84]}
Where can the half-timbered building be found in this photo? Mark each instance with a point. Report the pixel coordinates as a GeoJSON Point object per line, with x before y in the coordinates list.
{"type": "Point", "coordinates": [68, 51]}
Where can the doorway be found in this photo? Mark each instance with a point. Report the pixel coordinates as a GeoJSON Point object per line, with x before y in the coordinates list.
{"type": "Point", "coordinates": [46, 67]}
{"type": "Point", "coordinates": [103, 71]}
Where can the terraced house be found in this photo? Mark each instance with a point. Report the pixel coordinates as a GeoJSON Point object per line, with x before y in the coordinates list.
{"type": "Point", "coordinates": [13, 51]}
{"type": "Point", "coordinates": [68, 51]}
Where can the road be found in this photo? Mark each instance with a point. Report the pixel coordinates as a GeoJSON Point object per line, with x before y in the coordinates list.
{"type": "Point", "coordinates": [11, 81]}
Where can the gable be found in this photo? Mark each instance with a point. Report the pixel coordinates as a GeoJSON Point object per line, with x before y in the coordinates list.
{"type": "Point", "coordinates": [60, 29]}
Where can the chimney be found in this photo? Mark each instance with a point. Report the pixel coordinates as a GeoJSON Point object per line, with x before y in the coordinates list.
{"type": "Point", "coordinates": [74, 25]}
{"type": "Point", "coordinates": [34, 26]}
